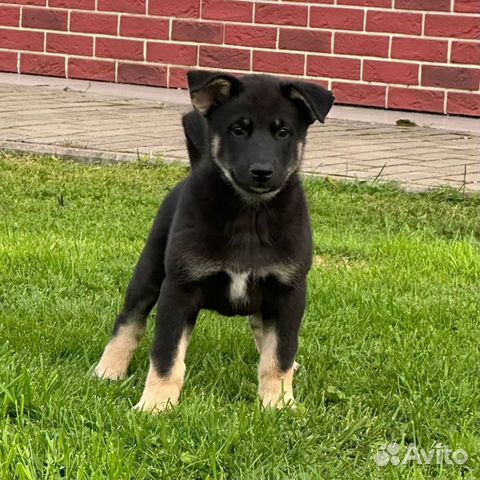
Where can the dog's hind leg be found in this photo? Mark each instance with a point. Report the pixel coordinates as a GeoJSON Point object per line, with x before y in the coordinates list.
{"type": "Point", "coordinates": [178, 307]}
{"type": "Point", "coordinates": [142, 294]}
{"type": "Point", "coordinates": [129, 328]}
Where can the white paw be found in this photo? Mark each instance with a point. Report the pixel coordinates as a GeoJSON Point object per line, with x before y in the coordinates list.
{"type": "Point", "coordinates": [154, 407]}
{"type": "Point", "coordinates": [296, 366]}
{"type": "Point", "coordinates": [276, 392]}
{"type": "Point", "coordinates": [118, 352]}
{"type": "Point", "coordinates": [158, 401]}
{"type": "Point", "coordinates": [110, 372]}
{"type": "Point", "coordinates": [160, 393]}
{"type": "Point", "coordinates": [279, 400]}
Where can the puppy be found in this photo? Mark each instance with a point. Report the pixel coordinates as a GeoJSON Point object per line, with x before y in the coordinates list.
{"type": "Point", "coordinates": [233, 237]}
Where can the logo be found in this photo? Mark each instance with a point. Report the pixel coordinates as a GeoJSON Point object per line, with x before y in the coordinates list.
{"type": "Point", "coordinates": [440, 454]}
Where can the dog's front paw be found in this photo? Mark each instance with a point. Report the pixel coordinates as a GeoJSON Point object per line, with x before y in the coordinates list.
{"type": "Point", "coordinates": [118, 352]}
{"type": "Point", "coordinates": [153, 406]}
{"type": "Point", "coordinates": [160, 393]}
{"type": "Point", "coordinates": [158, 401]}
{"type": "Point", "coordinates": [277, 398]}
{"type": "Point", "coordinates": [111, 368]}
{"type": "Point", "coordinates": [275, 388]}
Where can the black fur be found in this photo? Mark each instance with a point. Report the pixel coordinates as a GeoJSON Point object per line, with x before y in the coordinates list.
{"type": "Point", "coordinates": [196, 136]}
{"type": "Point", "coordinates": [241, 209]}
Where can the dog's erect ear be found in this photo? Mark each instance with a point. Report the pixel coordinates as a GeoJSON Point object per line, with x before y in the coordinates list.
{"type": "Point", "coordinates": [211, 89]}
{"type": "Point", "coordinates": [317, 99]}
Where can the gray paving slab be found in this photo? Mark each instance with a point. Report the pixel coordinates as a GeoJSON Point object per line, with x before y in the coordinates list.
{"type": "Point", "coordinates": [92, 126]}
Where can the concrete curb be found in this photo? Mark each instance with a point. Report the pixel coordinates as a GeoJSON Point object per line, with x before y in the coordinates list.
{"type": "Point", "coordinates": [85, 155]}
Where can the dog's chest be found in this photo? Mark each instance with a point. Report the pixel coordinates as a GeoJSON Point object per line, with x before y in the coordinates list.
{"type": "Point", "coordinates": [245, 256]}
{"type": "Point", "coordinates": [238, 292]}
{"type": "Point", "coordinates": [234, 261]}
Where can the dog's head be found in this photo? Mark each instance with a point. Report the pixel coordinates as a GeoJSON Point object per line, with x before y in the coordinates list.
{"type": "Point", "coordinates": [257, 125]}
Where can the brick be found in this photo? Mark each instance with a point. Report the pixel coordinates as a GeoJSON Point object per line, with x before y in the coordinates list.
{"type": "Point", "coordinates": [390, 72]}
{"type": "Point", "coordinates": [428, 5]}
{"type": "Point", "coordinates": [467, 6]}
{"type": "Point", "coordinates": [233, 11]}
{"type": "Point", "coordinates": [9, 16]}
{"type": "Point", "coordinates": [322, 83]}
{"type": "Point", "coordinates": [250, 36]}
{"type": "Point", "coordinates": [341, 18]}
{"type": "Point", "coordinates": [419, 49]}
{"type": "Point", "coordinates": [126, 6]}
{"type": "Point", "coordinates": [47, 19]}
{"type": "Point", "coordinates": [191, 31]}
{"type": "Point", "coordinates": [93, 23]}
{"type": "Point", "coordinates": [219, 57]}
{"type": "Point", "coordinates": [333, 67]}
{"type": "Point", "coordinates": [364, 45]}
{"type": "Point", "coordinates": [8, 61]}
{"type": "Point", "coordinates": [466, 52]}
{"type": "Point", "coordinates": [118, 48]}
{"type": "Point", "coordinates": [305, 40]}
{"type": "Point", "coordinates": [392, 22]}
{"type": "Point", "coordinates": [70, 44]}
{"type": "Point", "coordinates": [415, 99]}
{"type": "Point", "coordinates": [463, 104]}
{"type": "Point", "coordinates": [281, 14]}
{"type": "Point", "coordinates": [141, 74]}
{"type": "Point", "coordinates": [144, 27]}
{"type": "Point", "coordinates": [275, 62]}
{"type": "Point", "coordinates": [359, 94]}
{"type": "Point", "coordinates": [29, 2]}
{"type": "Point", "coordinates": [42, 64]}
{"type": "Point", "coordinates": [366, 3]}
{"type": "Point", "coordinates": [171, 53]}
{"type": "Point", "coordinates": [459, 26]}
{"type": "Point", "coordinates": [101, 70]}
{"type": "Point", "coordinates": [21, 40]}
{"type": "Point", "coordinates": [451, 77]}
{"type": "Point", "coordinates": [177, 77]}
{"type": "Point", "coordinates": [175, 8]}
{"type": "Point", "coordinates": [75, 4]}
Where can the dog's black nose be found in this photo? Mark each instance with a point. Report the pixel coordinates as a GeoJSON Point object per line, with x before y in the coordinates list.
{"type": "Point", "coordinates": [261, 173]}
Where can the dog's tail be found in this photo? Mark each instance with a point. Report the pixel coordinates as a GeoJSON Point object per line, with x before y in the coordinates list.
{"type": "Point", "coordinates": [196, 135]}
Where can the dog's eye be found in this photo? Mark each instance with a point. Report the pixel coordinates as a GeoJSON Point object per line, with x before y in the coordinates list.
{"type": "Point", "coordinates": [283, 132]}
{"type": "Point", "coordinates": [238, 130]}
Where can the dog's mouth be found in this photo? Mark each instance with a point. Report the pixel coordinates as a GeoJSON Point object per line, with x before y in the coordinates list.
{"type": "Point", "coordinates": [262, 192]}
{"type": "Point", "coordinates": [258, 189]}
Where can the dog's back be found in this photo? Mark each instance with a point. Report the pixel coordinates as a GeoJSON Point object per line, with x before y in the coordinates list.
{"type": "Point", "coordinates": [196, 136]}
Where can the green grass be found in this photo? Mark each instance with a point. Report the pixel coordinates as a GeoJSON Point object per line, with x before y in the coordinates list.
{"type": "Point", "coordinates": [389, 347]}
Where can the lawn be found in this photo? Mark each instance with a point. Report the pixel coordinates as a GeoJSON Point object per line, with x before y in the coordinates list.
{"type": "Point", "coordinates": [389, 346]}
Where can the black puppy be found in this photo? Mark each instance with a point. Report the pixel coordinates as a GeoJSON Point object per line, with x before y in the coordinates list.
{"type": "Point", "coordinates": [233, 237]}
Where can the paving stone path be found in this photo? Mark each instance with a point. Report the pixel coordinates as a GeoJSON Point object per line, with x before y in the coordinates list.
{"type": "Point", "coordinates": [92, 126]}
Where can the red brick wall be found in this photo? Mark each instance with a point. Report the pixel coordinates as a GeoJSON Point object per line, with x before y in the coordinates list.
{"type": "Point", "coordinates": [404, 54]}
